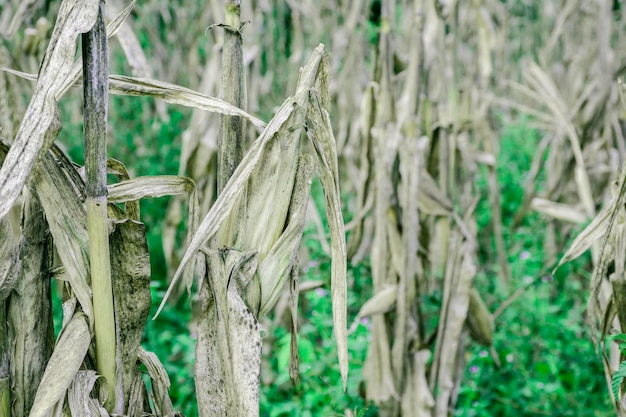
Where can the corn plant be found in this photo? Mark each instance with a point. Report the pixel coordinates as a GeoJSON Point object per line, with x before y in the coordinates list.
{"type": "Point", "coordinates": [94, 230]}
{"type": "Point", "coordinates": [577, 108]}
{"type": "Point", "coordinates": [605, 306]}
{"type": "Point", "coordinates": [420, 157]}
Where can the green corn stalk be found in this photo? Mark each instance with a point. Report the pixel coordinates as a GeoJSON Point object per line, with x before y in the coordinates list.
{"type": "Point", "coordinates": [96, 93]}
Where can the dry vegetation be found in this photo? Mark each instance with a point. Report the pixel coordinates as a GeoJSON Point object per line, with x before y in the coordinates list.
{"type": "Point", "coordinates": [397, 109]}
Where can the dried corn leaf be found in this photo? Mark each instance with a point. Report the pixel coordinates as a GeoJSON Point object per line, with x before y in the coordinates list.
{"type": "Point", "coordinates": [160, 186]}
{"type": "Point", "coordinates": [274, 177]}
{"type": "Point", "coordinates": [160, 383]}
{"type": "Point", "coordinates": [29, 313]}
{"type": "Point", "coordinates": [605, 256]}
{"type": "Point", "coordinates": [377, 368]}
{"type": "Point", "coordinates": [130, 278]}
{"type": "Point", "coordinates": [117, 168]}
{"type": "Point", "coordinates": [130, 44]}
{"type": "Point", "coordinates": [460, 272]}
{"type": "Point", "coordinates": [417, 400]}
{"type": "Point", "coordinates": [430, 199]}
{"type": "Point", "coordinates": [321, 135]}
{"type": "Point", "coordinates": [41, 122]}
{"type": "Point", "coordinates": [79, 393]}
{"type": "Point", "coordinates": [548, 94]}
{"type": "Point", "coordinates": [558, 211]}
{"type": "Point", "coordinates": [231, 193]}
{"type": "Point", "coordinates": [97, 410]}
{"type": "Point", "coordinates": [150, 187]}
{"type": "Point", "coordinates": [228, 351]}
{"type": "Point", "coordinates": [64, 363]}
{"type": "Point", "coordinates": [377, 371]}
{"type": "Point", "coordinates": [10, 262]}
{"type": "Point", "coordinates": [275, 268]}
{"type": "Point", "coordinates": [137, 397]}
{"type": "Point", "coordinates": [591, 234]}
{"type": "Point", "coordinates": [58, 187]}
{"type": "Point", "coordinates": [272, 181]}
{"type": "Point", "coordinates": [367, 176]}
{"type": "Point", "coordinates": [174, 94]}
{"type": "Point", "coordinates": [169, 93]}
{"type": "Point", "coordinates": [480, 320]}
{"type": "Point", "coordinates": [381, 302]}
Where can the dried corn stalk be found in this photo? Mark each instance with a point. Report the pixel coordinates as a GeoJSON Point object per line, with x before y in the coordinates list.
{"type": "Point", "coordinates": [421, 156]}
{"type": "Point", "coordinates": [56, 189]}
{"type": "Point", "coordinates": [607, 292]}
{"type": "Point", "coordinates": [266, 238]}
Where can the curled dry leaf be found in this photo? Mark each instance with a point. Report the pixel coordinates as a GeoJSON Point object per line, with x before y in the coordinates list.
{"type": "Point", "coordinates": [321, 135]}
{"type": "Point", "coordinates": [160, 383]}
{"type": "Point", "coordinates": [275, 268]}
{"type": "Point", "coordinates": [558, 211]}
{"type": "Point", "coordinates": [79, 393]}
{"type": "Point", "coordinates": [10, 262]}
{"type": "Point", "coordinates": [231, 193]}
{"type": "Point", "coordinates": [381, 302]}
{"type": "Point", "coordinates": [59, 188]}
{"type": "Point", "coordinates": [29, 309]}
{"type": "Point", "coordinates": [591, 234]}
{"type": "Point", "coordinates": [41, 123]}
{"type": "Point", "coordinates": [64, 363]}
{"type": "Point", "coordinates": [480, 320]}
{"type": "Point", "coordinates": [136, 189]}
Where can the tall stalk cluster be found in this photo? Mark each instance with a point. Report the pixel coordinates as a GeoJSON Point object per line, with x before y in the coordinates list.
{"type": "Point", "coordinates": [87, 234]}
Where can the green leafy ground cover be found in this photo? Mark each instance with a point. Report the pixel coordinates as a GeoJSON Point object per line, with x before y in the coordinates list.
{"type": "Point", "coordinates": [548, 363]}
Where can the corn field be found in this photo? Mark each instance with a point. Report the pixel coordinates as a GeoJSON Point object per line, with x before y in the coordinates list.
{"type": "Point", "coordinates": [373, 129]}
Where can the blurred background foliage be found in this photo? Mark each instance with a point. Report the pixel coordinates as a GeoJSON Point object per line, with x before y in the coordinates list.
{"type": "Point", "coordinates": [546, 362]}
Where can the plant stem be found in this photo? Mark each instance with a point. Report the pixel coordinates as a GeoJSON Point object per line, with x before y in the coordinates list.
{"type": "Point", "coordinates": [96, 89]}
{"type": "Point", "coordinates": [231, 139]}
{"type": "Point", "coordinates": [231, 144]}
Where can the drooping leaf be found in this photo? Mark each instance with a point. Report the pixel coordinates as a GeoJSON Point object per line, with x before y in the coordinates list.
{"type": "Point", "coordinates": [381, 302]}
{"type": "Point", "coordinates": [275, 269]}
{"type": "Point", "coordinates": [130, 278]}
{"type": "Point", "coordinates": [592, 233]}
{"type": "Point", "coordinates": [229, 196]}
{"type": "Point", "coordinates": [41, 122]}
{"type": "Point", "coordinates": [29, 310]}
{"type": "Point", "coordinates": [64, 363]}
{"type": "Point", "coordinates": [321, 134]}
{"type": "Point", "coordinates": [170, 93]}
{"type": "Point", "coordinates": [160, 383]}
